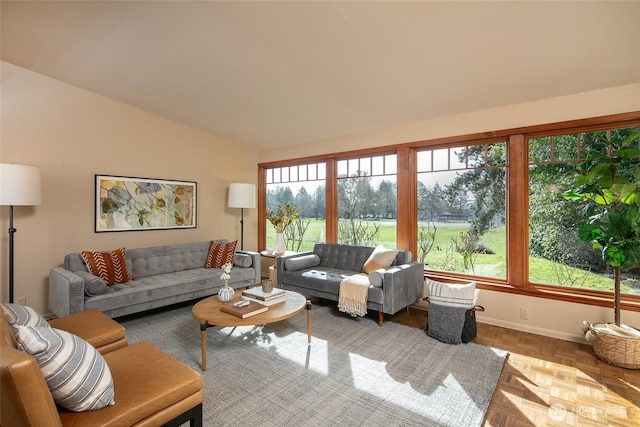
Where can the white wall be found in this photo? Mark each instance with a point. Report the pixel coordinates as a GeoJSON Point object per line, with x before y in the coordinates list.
{"type": "Point", "coordinates": [557, 319]}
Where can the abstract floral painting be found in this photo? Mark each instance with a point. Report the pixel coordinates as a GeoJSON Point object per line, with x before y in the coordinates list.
{"type": "Point", "coordinates": [128, 204]}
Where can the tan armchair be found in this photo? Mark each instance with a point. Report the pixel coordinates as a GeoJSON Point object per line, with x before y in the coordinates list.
{"type": "Point", "coordinates": [151, 389]}
{"type": "Point", "coordinates": [95, 327]}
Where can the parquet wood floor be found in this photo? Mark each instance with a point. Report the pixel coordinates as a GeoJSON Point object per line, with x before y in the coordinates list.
{"type": "Point", "coordinates": [551, 382]}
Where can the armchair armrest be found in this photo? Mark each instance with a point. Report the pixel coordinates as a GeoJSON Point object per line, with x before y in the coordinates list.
{"type": "Point", "coordinates": [255, 263]}
{"type": "Point", "coordinates": [402, 286]}
{"type": "Point", "coordinates": [66, 292]}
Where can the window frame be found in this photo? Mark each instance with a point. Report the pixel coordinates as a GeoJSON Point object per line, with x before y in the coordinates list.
{"type": "Point", "coordinates": [517, 277]}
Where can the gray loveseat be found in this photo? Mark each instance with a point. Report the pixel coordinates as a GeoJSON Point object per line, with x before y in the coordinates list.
{"type": "Point", "coordinates": [163, 275]}
{"type": "Point", "coordinates": [319, 273]}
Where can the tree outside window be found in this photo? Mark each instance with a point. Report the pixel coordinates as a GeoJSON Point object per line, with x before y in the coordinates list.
{"type": "Point", "coordinates": [461, 209]}
{"type": "Point", "coordinates": [556, 255]}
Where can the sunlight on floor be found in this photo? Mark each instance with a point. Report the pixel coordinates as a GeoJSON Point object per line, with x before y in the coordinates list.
{"type": "Point", "coordinates": [372, 376]}
{"type": "Point", "coordinates": [316, 355]}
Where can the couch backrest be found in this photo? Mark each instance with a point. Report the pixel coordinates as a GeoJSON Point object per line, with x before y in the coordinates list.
{"type": "Point", "coordinates": [351, 257]}
{"type": "Point", "coordinates": [26, 399]}
{"type": "Point", "coordinates": [143, 262]}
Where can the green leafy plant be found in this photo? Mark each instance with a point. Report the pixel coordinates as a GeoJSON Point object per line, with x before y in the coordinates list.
{"type": "Point", "coordinates": [608, 183]}
{"type": "Point", "coordinates": [282, 216]}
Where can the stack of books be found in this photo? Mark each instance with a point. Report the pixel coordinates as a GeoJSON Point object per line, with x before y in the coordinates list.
{"type": "Point", "coordinates": [244, 311]}
{"type": "Point", "coordinates": [256, 295]}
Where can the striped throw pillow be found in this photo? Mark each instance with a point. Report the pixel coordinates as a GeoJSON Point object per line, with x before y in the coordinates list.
{"type": "Point", "coordinates": [109, 266]}
{"type": "Point", "coordinates": [220, 254]}
{"type": "Point", "coordinates": [21, 315]}
{"type": "Point", "coordinates": [75, 372]}
{"type": "Point", "coordinates": [452, 294]}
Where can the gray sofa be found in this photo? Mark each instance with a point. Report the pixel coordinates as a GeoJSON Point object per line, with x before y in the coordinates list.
{"type": "Point", "coordinates": [163, 275]}
{"type": "Point", "coordinates": [319, 273]}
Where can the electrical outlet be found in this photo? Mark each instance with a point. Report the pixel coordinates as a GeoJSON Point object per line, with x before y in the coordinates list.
{"type": "Point", "coordinates": [22, 301]}
{"type": "Point", "coordinates": [524, 313]}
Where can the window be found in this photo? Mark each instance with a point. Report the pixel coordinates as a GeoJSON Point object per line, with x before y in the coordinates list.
{"type": "Point", "coordinates": [301, 185]}
{"type": "Point", "coordinates": [367, 197]}
{"type": "Point", "coordinates": [556, 255]}
{"type": "Point", "coordinates": [461, 209]}
{"type": "Point", "coordinates": [485, 206]}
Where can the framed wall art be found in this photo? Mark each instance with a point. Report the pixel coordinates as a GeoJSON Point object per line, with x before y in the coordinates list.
{"type": "Point", "coordinates": [135, 204]}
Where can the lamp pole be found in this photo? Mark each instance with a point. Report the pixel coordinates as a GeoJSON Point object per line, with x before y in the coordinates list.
{"type": "Point", "coordinates": [12, 231]}
{"type": "Point", "coordinates": [241, 229]}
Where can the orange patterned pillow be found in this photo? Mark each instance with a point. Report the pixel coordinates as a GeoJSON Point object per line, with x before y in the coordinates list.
{"type": "Point", "coordinates": [109, 266]}
{"type": "Point", "coordinates": [220, 254]}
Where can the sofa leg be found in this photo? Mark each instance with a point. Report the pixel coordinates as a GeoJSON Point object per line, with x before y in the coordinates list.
{"type": "Point", "coordinates": [380, 318]}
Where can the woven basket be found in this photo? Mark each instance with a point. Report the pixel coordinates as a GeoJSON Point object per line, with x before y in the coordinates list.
{"type": "Point", "coordinates": [615, 350]}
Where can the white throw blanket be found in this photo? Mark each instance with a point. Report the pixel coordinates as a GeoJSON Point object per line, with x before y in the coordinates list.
{"type": "Point", "coordinates": [353, 294]}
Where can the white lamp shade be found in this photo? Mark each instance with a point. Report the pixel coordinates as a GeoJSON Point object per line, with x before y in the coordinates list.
{"type": "Point", "coordinates": [19, 185]}
{"type": "Point", "coordinates": [242, 195]}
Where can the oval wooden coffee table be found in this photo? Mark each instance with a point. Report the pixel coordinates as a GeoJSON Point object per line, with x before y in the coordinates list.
{"type": "Point", "coordinates": [207, 313]}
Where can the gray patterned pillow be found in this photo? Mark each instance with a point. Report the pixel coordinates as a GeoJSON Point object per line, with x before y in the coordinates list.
{"type": "Point", "coordinates": [76, 373]}
{"type": "Point", "coordinates": [21, 315]}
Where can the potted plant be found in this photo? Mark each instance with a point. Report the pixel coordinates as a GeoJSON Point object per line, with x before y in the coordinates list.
{"type": "Point", "coordinates": [608, 182]}
{"type": "Point", "coordinates": [280, 218]}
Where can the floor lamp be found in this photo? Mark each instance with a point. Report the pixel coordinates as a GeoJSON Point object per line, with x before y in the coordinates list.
{"type": "Point", "coordinates": [242, 196]}
{"type": "Point", "coordinates": [19, 186]}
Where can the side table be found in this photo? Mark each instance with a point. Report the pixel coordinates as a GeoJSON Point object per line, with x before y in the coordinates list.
{"type": "Point", "coordinates": [273, 273]}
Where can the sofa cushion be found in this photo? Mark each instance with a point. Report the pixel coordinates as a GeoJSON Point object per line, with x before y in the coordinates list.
{"type": "Point", "coordinates": [95, 327]}
{"type": "Point", "coordinates": [75, 372]}
{"type": "Point", "coordinates": [242, 260]}
{"type": "Point", "coordinates": [109, 266]}
{"type": "Point", "coordinates": [324, 282]}
{"type": "Point", "coordinates": [151, 388]}
{"type": "Point", "coordinates": [300, 262]}
{"type": "Point", "coordinates": [93, 285]}
{"type": "Point", "coordinates": [220, 254]}
{"type": "Point", "coordinates": [21, 315]}
{"type": "Point", "coordinates": [342, 257]}
{"type": "Point", "coordinates": [379, 258]}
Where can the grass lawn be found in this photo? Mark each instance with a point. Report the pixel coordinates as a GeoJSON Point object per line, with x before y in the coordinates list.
{"type": "Point", "coordinates": [443, 255]}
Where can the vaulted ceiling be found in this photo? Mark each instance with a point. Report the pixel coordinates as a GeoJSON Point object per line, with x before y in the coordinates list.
{"type": "Point", "coordinates": [269, 74]}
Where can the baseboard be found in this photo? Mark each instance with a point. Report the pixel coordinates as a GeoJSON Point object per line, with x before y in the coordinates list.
{"type": "Point", "coordinates": [532, 329]}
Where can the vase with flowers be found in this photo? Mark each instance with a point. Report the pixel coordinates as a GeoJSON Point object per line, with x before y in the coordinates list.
{"type": "Point", "coordinates": [226, 293]}
{"type": "Point", "coordinates": [280, 218]}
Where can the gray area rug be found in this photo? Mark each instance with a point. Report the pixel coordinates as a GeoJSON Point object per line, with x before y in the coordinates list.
{"type": "Point", "coordinates": [354, 373]}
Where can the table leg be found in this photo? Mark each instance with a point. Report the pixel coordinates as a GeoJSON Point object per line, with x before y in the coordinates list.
{"type": "Point", "coordinates": [309, 321]}
{"type": "Point", "coordinates": [203, 343]}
